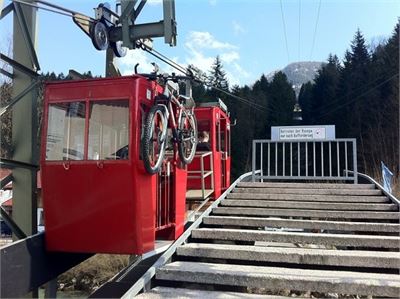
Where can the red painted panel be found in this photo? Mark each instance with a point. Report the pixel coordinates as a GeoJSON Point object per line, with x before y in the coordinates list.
{"type": "Point", "coordinates": [100, 206]}
{"type": "Point", "coordinates": [180, 180]}
{"type": "Point", "coordinates": [91, 209]}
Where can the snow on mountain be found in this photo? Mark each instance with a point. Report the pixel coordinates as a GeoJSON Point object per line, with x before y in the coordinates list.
{"type": "Point", "coordinates": [299, 73]}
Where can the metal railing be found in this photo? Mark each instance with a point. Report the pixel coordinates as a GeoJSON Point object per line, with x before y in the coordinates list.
{"type": "Point", "coordinates": [379, 186]}
{"type": "Point", "coordinates": [305, 160]}
{"type": "Point", "coordinates": [164, 197]}
{"type": "Point", "coordinates": [203, 173]}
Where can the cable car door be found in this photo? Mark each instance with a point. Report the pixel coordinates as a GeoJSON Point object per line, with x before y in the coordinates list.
{"type": "Point", "coordinates": [223, 148]}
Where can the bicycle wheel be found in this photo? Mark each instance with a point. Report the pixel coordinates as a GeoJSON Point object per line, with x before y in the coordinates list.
{"type": "Point", "coordinates": [187, 133]}
{"type": "Point", "coordinates": [154, 139]}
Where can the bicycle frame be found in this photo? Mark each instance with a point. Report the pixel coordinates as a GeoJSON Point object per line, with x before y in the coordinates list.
{"type": "Point", "coordinates": [171, 112]}
{"type": "Point", "coordinates": [177, 114]}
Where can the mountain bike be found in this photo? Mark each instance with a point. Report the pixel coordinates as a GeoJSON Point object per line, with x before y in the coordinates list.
{"type": "Point", "coordinates": [170, 111]}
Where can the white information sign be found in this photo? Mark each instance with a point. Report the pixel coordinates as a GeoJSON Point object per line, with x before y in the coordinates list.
{"type": "Point", "coordinates": [303, 133]}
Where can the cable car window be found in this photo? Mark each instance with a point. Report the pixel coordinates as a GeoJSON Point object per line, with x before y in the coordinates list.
{"type": "Point", "coordinates": [222, 144]}
{"type": "Point", "coordinates": [66, 131]}
{"type": "Point", "coordinates": [108, 130]}
{"type": "Point", "coordinates": [203, 125]}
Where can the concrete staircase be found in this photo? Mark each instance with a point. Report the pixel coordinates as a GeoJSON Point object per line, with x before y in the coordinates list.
{"type": "Point", "coordinates": [290, 239]}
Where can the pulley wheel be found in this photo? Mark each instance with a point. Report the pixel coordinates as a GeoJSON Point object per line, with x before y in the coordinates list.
{"type": "Point", "coordinates": [99, 35]}
{"type": "Point", "coordinates": [118, 49]}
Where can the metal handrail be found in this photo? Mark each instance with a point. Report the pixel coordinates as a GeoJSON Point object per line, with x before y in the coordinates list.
{"type": "Point", "coordinates": [145, 279]}
{"type": "Point", "coordinates": [202, 172]}
{"type": "Point", "coordinates": [365, 176]}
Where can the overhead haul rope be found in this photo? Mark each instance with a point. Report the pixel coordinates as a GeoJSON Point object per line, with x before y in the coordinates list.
{"type": "Point", "coordinates": [298, 49]}
{"type": "Point", "coordinates": [315, 29]}
{"type": "Point", "coordinates": [56, 9]}
{"type": "Point", "coordinates": [284, 31]}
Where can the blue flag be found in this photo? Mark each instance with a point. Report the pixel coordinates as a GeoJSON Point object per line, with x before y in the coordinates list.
{"type": "Point", "coordinates": [387, 178]}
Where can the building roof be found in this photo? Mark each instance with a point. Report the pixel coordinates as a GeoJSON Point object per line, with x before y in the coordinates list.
{"type": "Point", "coordinates": [5, 172]}
{"type": "Point", "coordinates": [7, 203]}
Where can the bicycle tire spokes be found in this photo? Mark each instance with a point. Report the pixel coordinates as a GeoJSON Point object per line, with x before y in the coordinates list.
{"type": "Point", "coordinates": [154, 139]}
{"type": "Point", "coordinates": [187, 137]}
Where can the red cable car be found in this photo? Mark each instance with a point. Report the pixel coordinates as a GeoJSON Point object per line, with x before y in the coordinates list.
{"type": "Point", "coordinates": [97, 195]}
{"type": "Point", "coordinates": [209, 173]}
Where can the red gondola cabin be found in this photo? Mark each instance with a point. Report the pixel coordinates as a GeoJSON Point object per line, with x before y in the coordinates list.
{"type": "Point", "coordinates": [97, 195]}
{"type": "Point", "coordinates": [209, 173]}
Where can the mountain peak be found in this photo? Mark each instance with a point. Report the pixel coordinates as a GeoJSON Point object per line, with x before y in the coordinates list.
{"type": "Point", "coordinates": [299, 73]}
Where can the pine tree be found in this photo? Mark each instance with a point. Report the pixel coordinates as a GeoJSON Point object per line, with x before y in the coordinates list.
{"type": "Point", "coordinates": [281, 101]}
{"type": "Point", "coordinates": [306, 103]}
{"type": "Point", "coordinates": [325, 91]}
{"type": "Point", "coordinates": [383, 124]}
{"type": "Point", "coordinates": [354, 76]}
{"type": "Point", "coordinates": [260, 97]}
{"type": "Point", "coordinates": [217, 78]}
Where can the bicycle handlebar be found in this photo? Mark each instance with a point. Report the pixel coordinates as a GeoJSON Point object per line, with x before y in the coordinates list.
{"type": "Point", "coordinates": [173, 77]}
{"type": "Point", "coordinates": [166, 77]}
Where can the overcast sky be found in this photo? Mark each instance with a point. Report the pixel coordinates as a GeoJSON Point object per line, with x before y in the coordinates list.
{"type": "Point", "coordinates": [249, 35]}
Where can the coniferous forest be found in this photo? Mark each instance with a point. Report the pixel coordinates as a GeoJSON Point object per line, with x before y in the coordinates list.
{"type": "Point", "coordinates": [359, 94]}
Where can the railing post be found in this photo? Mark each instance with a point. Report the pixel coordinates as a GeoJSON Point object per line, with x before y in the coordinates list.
{"type": "Point", "coordinates": [338, 158]}
{"type": "Point", "coordinates": [283, 159]}
{"type": "Point", "coordinates": [355, 161]}
{"type": "Point", "coordinates": [347, 159]}
{"type": "Point", "coordinates": [314, 160]}
{"type": "Point", "coordinates": [330, 158]}
{"type": "Point", "coordinates": [203, 186]}
{"type": "Point", "coordinates": [322, 159]}
{"type": "Point", "coordinates": [298, 159]}
{"type": "Point", "coordinates": [253, 162]}
{"type": "Point", "coordinates": [276, 158]}
{"type": "Point", "coordinates": [261, 161]}
{"type": "Point", "coordinates": [269, 158]}
{"type": "Point", "coordinates": [291, 158]}
{"type": "Point", "coordinates": [306, 158]}
{"type": "Point", "coordinates": [212, 170]}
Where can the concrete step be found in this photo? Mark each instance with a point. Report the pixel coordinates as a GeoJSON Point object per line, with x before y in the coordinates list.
{"type": "Point", "coordinates": [309, 191]}
{"type": "Point", "coordinates": [305, 185]}
{"type": "Point", "coordinates": [273, 278]}
{"type": "Point", "coordinates": [325, 257]}
{"type": "Point", "coordinates": [306, 197]}
{"type": "Point", "coordinates": [296, 237]}
{"type": "Point", "coordinates": [309, 205]}
{"type": "Point", "coordinates": [303, 224]}
{"type": "Point", "coordinates": [165, 292]}
{"type": "Point", "coordinates": [306, 213]}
